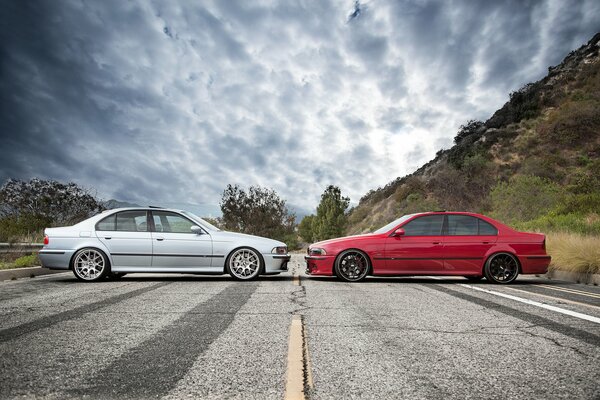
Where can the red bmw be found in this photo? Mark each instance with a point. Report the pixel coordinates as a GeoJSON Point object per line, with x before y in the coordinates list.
{"type": "Point", "coordinates": [433, 243]}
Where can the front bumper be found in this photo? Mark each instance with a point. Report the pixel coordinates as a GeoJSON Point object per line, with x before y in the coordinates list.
{"type": "Point", "coordinates": [319, 265]}
{"type": "Point", "coordinates": [276, 263]}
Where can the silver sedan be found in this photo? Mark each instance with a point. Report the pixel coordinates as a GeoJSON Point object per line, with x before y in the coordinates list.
{"type": "Point", "coordinates": [127, 240]}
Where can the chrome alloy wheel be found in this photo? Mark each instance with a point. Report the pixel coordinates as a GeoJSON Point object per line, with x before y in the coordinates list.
{"type": "Point", "coordinates": [244, 264]}
{"type": "Point", "coordinates": [502, 268]}
{"type": "Point", "coordinates": [89, 265]}
{"type": "Point", "coordinates": [352, 266]}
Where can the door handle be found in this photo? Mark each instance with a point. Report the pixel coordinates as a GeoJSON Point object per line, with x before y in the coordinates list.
{"type": "Point", "coordinates": [436, 242]}
{"type": "Point", "coordinates": [485, 242]}
{"type": "Point", "coordinates": [160, 239]}
{"type": "Point", "coordinates": [107, 237]}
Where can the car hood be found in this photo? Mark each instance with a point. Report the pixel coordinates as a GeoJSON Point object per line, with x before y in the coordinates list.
{"type": "Point", "coordinates": [341, 239]}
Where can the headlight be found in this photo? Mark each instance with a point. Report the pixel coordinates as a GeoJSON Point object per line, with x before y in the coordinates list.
{"type": "Point", "coordinates": [316, 251]}
{"type": "Point", "coordinates": [279, 250]}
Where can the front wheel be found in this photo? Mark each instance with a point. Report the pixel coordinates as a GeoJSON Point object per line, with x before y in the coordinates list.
{"type": "Point", "coordinates": [244, 264]}
{"type": "Point", "coordinates": [90, 265]}
{"type": "Point", "coordinates": [501, 268]}
{"type": "Point", "coordinates": [352, 266]}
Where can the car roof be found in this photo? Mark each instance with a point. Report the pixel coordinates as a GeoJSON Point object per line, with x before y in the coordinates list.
{"type": "Point", "coordinates": [142, 208]}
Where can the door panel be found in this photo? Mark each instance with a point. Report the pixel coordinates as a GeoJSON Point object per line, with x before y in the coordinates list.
{"type": "Point", "coordinates": [414, 254]}
{"type": "Point", "coordinates": [181, 250]}
{"type": "Point", "coordinates": [464, 244]}
{"type": "Point", "coordinates": [419, 250]}
{"type": "Point", "coordinates": [127, 238]}
{"type": "Point", "coordinates": [175, 246]}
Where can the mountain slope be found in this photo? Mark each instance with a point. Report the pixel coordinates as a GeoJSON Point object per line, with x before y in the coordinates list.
{"type": "Point", "coordinates": [536, 156]}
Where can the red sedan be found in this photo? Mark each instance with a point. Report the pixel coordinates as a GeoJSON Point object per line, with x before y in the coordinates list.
{"type": "Point", "coordinates": [433, 243]}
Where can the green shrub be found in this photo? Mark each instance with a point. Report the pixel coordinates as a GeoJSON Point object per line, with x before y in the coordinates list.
{"type": "Point", "coordinates": [577, 223]}
{"type": "Point", "coordinates": [27, 261]}
{"type": "Point", "coordinates": [524, 198]}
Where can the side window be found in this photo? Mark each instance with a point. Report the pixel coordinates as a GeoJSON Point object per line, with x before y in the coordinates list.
{"type": "Point", "coordinates": [430, 225]}
{"type": "Point", "coordinates": [171, 222]}
{"type": "Point", "coordinates": [462, 225]}
{"type": "Point", "coordinates": [487, 228]}
{"type": "Point", "coordinates": [132, 221]}
{"type": "Point", "coordinates": [107, 224]}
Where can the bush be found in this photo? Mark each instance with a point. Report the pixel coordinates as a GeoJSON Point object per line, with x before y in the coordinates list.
{"type": "Point", "coordinates": [27, 261]}
{"type": "Point", "coordinates": [524, 197]}
{"type": "Point", "coordinates": [573, 123]}
{"type": "Point", "coordinates": [577, 223]}
{"type": "Point", "coordinates": [415, 203]}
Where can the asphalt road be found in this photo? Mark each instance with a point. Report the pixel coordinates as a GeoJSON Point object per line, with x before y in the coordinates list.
{"type": "Point", "coordinates": [177, 336]}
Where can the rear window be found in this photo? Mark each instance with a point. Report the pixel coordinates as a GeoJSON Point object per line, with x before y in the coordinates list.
{"type": "Point", "coordinates": [107, 224]}
{"type": "Point", "coordinates": [486, 228]}
{"type": "Point", "coordinates": [462, 225]}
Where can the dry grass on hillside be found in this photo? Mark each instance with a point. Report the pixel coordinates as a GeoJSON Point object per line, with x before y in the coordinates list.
{"type": "Point", "coordinates": [574, 252]}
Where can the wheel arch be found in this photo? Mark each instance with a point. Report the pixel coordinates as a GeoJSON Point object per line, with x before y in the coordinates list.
{"type": "Point", "coordinates": [337, 257]}
{"type": "Point", "coordinates": [260, 256]}
{"type": "Point", "coordinates": [495, 253]}
{"type": "Point", "coordinates": [106, 254]}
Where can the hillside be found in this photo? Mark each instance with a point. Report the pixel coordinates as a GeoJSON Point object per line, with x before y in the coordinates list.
{"type": "Point", "coordinates": [534, 163]}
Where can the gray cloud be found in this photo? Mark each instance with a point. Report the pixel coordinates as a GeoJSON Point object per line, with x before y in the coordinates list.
{"type": "Point", "coordinates": [169, 102]}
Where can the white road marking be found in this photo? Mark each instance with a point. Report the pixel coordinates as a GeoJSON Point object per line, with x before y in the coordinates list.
{"type": "Point", "coordinates": [531, 302]}
{"type": "Point", "coordinates": [536, 303]}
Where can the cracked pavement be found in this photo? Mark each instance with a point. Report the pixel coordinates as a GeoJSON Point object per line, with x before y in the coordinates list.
{"type": "Point", "coordinates": [185, 336]}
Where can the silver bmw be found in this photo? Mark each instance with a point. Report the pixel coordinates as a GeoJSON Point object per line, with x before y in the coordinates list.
{"type": "Point", "coordinates": [126, 240]}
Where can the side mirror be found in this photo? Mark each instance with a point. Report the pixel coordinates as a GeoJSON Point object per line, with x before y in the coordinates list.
{"type": "Point", "coordinates": [399, 232]}
{"type": "Point", "coordinates": [197, 230]}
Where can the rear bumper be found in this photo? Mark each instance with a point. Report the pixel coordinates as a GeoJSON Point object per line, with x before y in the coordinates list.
{"type": "Point", "coordinates": [276, 263]}
{"type": "Point", "coordinates": [535, 264]}
{"type": "Point", "coordinates": [319, 265]}
{"type": "Point", "coordinates": [55, 259]}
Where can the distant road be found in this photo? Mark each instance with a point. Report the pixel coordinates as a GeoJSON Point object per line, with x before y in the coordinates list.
{"type": "Point", "coordinates": [184, 336]}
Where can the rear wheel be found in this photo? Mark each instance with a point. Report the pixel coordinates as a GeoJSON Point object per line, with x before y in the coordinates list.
{"type": "Point", "coordinates": [352, 266]}
{"type": "Point", "coordinates": [501, 268]}
{"type": "Point", "coordinates": [244, 264]}
{"type": "Point", "coordinates": [90, 265]}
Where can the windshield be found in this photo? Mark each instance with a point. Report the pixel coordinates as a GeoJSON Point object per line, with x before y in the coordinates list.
{"type": "Point", "coordinates": [392, 224]}
{"type": "Point", "coordinates": [204, 224]}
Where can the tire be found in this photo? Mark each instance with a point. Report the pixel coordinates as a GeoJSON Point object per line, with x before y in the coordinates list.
{"type": "Point", "coordinates": [501, 268]}
{"type": "Point", "coordinates": [244, 264]}
{"type": "Point", "coordinates": [116, 275]}
{"type": "Point", "coordinates": [352, 266]}
{"type": "Point", "coordinates": [473, 278]}
{"type": "Point", "coordinates": [90, 265]}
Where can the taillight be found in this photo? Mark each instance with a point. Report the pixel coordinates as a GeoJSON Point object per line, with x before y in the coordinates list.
{"type": "Point", "coordinates": [46, 240]}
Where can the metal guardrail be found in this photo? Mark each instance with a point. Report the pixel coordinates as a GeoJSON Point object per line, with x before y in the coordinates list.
{"type": "Point", "coordinates": [20, 247]}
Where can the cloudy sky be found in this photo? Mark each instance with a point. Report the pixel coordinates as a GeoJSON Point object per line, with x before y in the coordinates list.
{"type": "Point", "coordinates": [158, 102]}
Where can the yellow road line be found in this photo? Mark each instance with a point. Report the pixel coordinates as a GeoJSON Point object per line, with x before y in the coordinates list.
{"type": "Point", "coordinates": [294, 389]}
{"type": "Point", "coordinates": [553, 298]}
{"type": "Point", "coordinates": [569, 290]}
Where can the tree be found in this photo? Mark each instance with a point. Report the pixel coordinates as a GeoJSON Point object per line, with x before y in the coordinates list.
{"type": "Point", "coordinates": [305, 228]}
{"type": "Point", "coordinates": [29, 207]}
{"type": "Point", "coordinates": [259, 211]}
{"type": "Point", "coordinates": [472, 128]}
{"type": "Point", "coordinates": [61, 203]}
{"type": "Point", "coordinates": [331, 218]}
